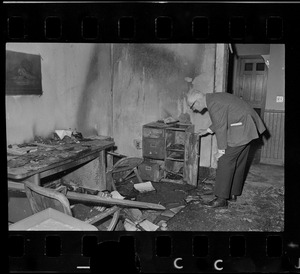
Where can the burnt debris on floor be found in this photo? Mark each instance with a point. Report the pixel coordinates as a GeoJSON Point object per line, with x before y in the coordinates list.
{"type": "Point", "coordinates": [259, 208]}
{"type": "Point", "coordinates": [182, 205]}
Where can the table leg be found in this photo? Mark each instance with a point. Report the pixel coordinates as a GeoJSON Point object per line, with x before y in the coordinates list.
{"type": "Point", "coordinates": [137, 175]}
{"type": "Point", "coordinates": [36, 179]}
{"type": "Point", "coordinates": [102, 168]}
{"type": "Point", "coordinates": [110, 161]}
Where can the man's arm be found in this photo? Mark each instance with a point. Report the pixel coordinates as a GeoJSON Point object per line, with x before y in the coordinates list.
{"type": "Point", "coordinates": [218, 115]}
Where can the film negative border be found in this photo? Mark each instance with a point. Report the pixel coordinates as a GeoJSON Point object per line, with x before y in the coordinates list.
{"type": "Point", "coordinates": [147, 22]}
{"type": "Point", "coordinates": [160, 23]}
{"type": "Point", "coordinates": [145, 252]}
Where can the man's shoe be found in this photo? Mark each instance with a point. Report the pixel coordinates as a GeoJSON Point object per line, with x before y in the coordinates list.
{"type": "Point", "coordinates": [217, 202]}
{"type": "Point", "coordinates": [232, 198]}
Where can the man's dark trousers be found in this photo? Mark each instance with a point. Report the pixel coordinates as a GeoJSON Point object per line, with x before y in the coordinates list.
{"type": "Point", "coordinates": [230, 171]}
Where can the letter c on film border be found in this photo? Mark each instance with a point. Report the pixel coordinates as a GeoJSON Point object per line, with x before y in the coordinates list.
{"type": "Point", "coordinates": [176, 265]}
{"type": "Point", "coordinates": [216, 266]}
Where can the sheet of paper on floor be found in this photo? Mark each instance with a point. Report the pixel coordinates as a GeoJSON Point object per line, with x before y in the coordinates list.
{"type": "Point", "coordinates": [144, 187]}
{"type": "Point", "coordinates": [147, 225]}
{"type": "Point", "coordinates": [116, 195]}
{"type": "Point", "coordinates": [177, 209]}
{"type": "Point", "coordinates": [168, 213]}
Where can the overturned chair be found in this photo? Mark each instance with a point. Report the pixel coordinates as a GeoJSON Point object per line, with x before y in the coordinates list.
{"type": "Point", "coordinates": [123, 169]}
{"type": "Point", "coordinates": [41, 198]}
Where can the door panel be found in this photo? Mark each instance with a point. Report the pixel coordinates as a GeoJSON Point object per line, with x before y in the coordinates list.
{"type": "Point", "coordinates": [251, 85]}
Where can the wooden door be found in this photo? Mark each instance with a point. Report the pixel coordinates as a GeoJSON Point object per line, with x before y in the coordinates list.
{"type": "Point", "coordinates": [252, 82]}
{"type": "Point", "coordinates": [251, 86]}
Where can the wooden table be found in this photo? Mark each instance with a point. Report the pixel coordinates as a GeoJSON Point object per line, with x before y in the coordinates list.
{"type": "Point", "coordinates": [46, 161]}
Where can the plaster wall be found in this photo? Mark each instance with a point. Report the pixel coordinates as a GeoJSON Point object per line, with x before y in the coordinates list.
{"type": "Point", "coordinates": [76, 92]}
{"type": "Point", "coordinates": [113, 89]}
{"type": "Point", "coordinates": [76, 81]}
{"type": "Point", "coordinates": [149, 84]}
{"type": "Point", "coordinates": [276, 77]}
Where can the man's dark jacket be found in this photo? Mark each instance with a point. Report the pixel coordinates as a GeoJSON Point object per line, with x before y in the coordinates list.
{"type": "Point", "coordinates": [234, 121]}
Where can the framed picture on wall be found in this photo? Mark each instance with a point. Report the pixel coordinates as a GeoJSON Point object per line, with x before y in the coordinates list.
{"type": "Point", "coordinates": [23, 74]}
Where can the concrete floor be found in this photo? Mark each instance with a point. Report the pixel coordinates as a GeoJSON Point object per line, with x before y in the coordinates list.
{"type": "Point", "coordinates": [259, 208]}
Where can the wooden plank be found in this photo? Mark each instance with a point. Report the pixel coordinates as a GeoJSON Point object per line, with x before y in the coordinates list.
{"type": "Point", "coordinates": [102, 215]}
{"type": "Point", "coordinates": [16, 186]}
{"type": "Point", "coordinates": [102, 169]}
{"type": "Point", "coordinates": [191, 158]}
{"type": "Point", "coordinates": [111, 201]}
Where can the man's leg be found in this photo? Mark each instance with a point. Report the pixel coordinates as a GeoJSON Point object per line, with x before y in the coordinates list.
{"type": "Point", "coordinates": [225, 171]}
{"type": "Point", "coordinates": [238, 178]}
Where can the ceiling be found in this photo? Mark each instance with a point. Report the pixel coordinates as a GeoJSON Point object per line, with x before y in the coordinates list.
{"type": "Point", "coordinates": [252, 49]}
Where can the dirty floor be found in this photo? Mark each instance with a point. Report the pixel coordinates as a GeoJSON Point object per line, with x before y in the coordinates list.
{"type": "Point", "coordinates": [259, 208]}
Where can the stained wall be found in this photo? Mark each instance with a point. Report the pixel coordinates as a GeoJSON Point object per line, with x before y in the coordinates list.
{"type": "Point", "coordinates": [113, 89]}
{"type": "Point", "coordinates": [149, 84]}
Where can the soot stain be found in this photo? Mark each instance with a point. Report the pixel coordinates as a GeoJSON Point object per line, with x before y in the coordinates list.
{"type": "Point", "coordinates": [87, 92]}
{"type": "Point", "coordinates": [157, 62]}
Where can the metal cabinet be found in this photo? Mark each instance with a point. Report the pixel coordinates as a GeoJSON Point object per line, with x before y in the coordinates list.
{"type": "Point", "coordinates": [177, 146]}
{"type": "Point", "coordinates": [154, 140]}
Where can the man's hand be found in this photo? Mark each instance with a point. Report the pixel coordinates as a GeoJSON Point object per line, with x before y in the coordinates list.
{"type": "Point", "coordinates": [219, 154]}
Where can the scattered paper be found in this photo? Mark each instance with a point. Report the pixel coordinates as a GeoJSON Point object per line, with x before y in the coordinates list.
{"type": "Point", "coordinates": [177, 209]}
{"type": "Point", "coordinates": [247, 220]}
{"type": "Point", "coordinates": [116, 195]}
{"type": "Point", "coordinates": [170, 120]}
{"type": "Point", "coordinates": [136, 213]}
{"type": "Point", "coordinates": [168, 213]}
{"type": "Point", "coordinates": [144, 187]}
{"type": "Point", "coordinates": [161, 222]}
{"type": "Point", "coordinates": [147, 225]}
{"type": "Point", "coordinates": [130, 226]}
{"type": "Point", "coordinates": [15, 150]}
{"type": "Point", "coordinates": [62, 133]}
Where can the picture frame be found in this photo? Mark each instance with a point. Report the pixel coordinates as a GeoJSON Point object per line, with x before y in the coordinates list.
{"type": "Point", "coordinates": [23, 74]}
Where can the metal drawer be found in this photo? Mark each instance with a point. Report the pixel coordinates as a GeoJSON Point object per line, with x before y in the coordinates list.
{"type": "Point", "coordinates": [150, 171]}
{"type": "Point", "coordinates": [154, 148]}
{"type": "Point", "coordinates": [149, 132]}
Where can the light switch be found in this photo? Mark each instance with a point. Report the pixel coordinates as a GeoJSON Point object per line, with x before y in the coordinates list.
{"type": "Point", "coordinates": [279, 99]}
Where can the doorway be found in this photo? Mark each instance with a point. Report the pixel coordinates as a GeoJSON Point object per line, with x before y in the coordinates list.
{"type": "Point", "coordinates": [250, 84]}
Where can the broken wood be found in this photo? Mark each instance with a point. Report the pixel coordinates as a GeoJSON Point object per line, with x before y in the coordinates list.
{"type": "Point", "coordinates": [102, 215]}
{"type": "Point", "coordinates": [111, 201]}
{"type": "Point", "coordinates": [44, 145]}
